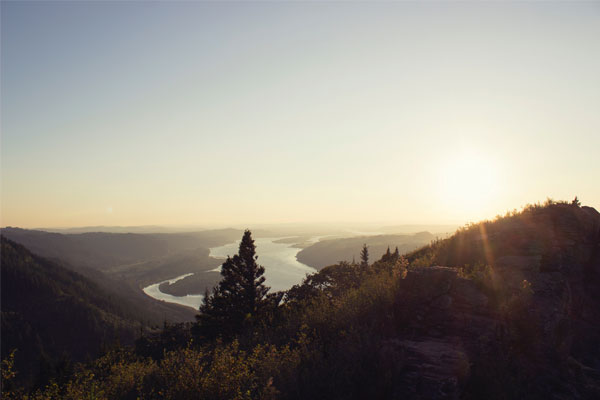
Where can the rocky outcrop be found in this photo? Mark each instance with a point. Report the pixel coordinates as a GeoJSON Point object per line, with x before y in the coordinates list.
{"type": "Point", "coordinates": [525, 326]}
{"type": "Point", "coordinates": [444, 316]}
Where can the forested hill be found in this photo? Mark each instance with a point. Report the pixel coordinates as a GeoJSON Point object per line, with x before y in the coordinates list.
{"type": "Point", "coordinates": [51, 314]}
{"type": "Point", "coordinates": [97, 250]}
{"type": "Point", "coordinates": [330, 251]}
{"type": "Point", "coordinates": [103, 250]}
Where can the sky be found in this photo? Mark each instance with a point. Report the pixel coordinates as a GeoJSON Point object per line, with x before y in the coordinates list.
{"type": "Point", "coordinates": [171, 113]}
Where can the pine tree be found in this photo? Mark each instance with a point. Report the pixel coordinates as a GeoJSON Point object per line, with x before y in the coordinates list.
{"type": "Point", "coordinates": [395, 255]}
{"type": "Point", "coordinates": [239, 296]}
{"type": "Point", "coordinates": [387, 256]}
{"type": "Point", "coordinates": [364, 257]}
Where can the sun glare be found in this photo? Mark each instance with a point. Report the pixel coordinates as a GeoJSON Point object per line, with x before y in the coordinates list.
{"type": "Point", "coordinates": [468, 182]}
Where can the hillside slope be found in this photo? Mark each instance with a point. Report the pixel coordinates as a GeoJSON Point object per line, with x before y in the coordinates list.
{"type": "Point", "coordinates": [103, 250]}
{"type": "Point", "coordinates": [123, 263]}
{"type": "Point", "coordinates": [518, 298]}
{"type": "Point", "coordinates": [49, 311]}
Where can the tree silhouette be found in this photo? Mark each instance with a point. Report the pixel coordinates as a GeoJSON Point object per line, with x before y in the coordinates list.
{"type": "Point", "coordinates": [387, 256]}
{"type": "Point", "coordinates": [396, 254]}
{"type": "Point", "coordinates": [239, 296]}
{"type": "Point", "coordinates": [364, 256]}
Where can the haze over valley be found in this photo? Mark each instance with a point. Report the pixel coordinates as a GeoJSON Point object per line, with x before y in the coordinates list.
{"type": "Point", "coordinates": [145, 259]}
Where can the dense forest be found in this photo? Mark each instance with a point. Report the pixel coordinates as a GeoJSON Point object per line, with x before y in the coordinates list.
{"type": "Point", "coordinates": [54, 316]}
{"type": "Point", "coordinates": [508, 308]}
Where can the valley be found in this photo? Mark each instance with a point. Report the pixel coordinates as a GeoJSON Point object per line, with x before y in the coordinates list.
{"type": "Point", "coordinates": [167, 274]}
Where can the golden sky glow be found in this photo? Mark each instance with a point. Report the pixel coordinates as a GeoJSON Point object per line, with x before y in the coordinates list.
{"type": "Point", "coordinates": [218, 114]}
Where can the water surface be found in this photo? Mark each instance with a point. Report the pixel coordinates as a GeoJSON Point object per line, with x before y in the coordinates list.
{"type": "Point", "coordinates": [191, 300]}
{"type": "Point", "coordinates": [282, 269]}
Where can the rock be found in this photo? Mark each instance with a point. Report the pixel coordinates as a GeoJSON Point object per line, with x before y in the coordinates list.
{"type": "Point", "coordinates": [533, 322]}
{"type": "Point", "coordinates": [432, 369]}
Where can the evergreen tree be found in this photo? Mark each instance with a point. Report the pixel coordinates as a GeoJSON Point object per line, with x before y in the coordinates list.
{"type": "Point", "coordinates": [387, 256]}
{"type": "Point", "coordinates": [364, 256]}
{"type": "Point", "coordinates": [238, 298]}
{"type": "Point", "coordinates": [576, 202]}
{"type": "Point", "coordinates": [395, 255]}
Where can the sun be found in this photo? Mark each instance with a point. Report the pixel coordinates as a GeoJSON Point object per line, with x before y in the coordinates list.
{"type": "Point", "coordinates": [469, 181]}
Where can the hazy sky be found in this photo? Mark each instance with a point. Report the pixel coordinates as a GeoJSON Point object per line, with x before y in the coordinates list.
{"type": "Point", "coordinates": [130, 113]}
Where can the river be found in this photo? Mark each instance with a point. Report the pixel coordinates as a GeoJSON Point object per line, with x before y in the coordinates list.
{"type": "Point", "coordinates": [190, 300]}
{"type": "Point", "coordinates": [282, 269]}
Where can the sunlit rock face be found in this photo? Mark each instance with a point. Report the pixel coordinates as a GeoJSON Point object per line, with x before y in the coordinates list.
{"type": "Point", "coordinates": [531, 321]}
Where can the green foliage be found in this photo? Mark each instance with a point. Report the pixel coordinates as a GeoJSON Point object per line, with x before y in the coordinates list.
{"type": "Point", "coordinates": [8, 389]}
{"type": "Point", "coordinates": [328, 328]}
{"type": "Point", "coordinates": [478, 272]}
{"type": "Point", "coordinates": [224, 372]}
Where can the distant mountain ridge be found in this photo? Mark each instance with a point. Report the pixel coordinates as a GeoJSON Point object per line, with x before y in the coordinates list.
{"type": "Point", "coordinates": [331, 251]}
{"type": "Point", "coordinates": [95, 250]}
{"type": "Point", "coordinates": [112, 229]}
{"type": "Point", "coordinates": [102, 250]}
